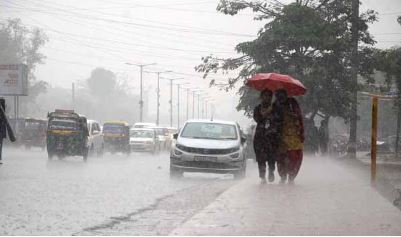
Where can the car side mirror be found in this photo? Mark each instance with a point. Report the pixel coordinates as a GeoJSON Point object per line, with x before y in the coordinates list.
{"type": "Point", "coordinates": [175, 136]}
{"type": "Point", "coordinates": [243, 140]}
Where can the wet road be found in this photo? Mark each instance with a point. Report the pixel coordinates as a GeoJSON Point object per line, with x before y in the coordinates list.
{"type": "Point", "coordinates": [109, 195]}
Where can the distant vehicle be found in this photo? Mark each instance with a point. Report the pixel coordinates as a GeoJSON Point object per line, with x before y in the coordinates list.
{"type": "Point", "coordinates": [208, 146]}
{"type": "Point", "coordinates": [95, 138]}
{"type": "Point", "coordinates": [144, 139]}
{"type": "Point", "coordinates": [34, 133]}
{"type": "Point", "coordinates": [144, 125]}
{"type": "Point", "coordinates": [163, 136]}
{"type": "Point", "coordinates": [116, 136]}
{"type": "Point", "coordinates": [67, 134]}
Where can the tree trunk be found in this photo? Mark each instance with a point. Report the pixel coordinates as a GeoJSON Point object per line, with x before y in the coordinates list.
{"type": "Point", "coordinates": [354, 78]}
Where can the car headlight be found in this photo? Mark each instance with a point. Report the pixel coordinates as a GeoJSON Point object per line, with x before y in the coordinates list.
{"type": "Point", "coordinates": [235, 155]}
{"type": "Point", "coordinates": [234, 149]}
{"type": "Point", "coordinates": [177, 152]}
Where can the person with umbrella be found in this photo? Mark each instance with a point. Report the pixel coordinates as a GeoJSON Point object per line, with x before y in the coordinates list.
{"type": "Point", "coordinates": [292, 137]}
{"type": "Point", "coordinates": [291, 130]}
{"type": "Point", "coordinates": [265, 139]}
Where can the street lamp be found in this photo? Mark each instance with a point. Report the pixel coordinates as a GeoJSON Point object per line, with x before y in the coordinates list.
{"type": "Point", "coordinates": [171, 97]}
{"type": "Point", "coordinates": [193, 101]}
{"type": "Point", "coordinates": [199, 94]}
{"type": "Point", "coordinates": [178, 103]}
{"type": "Point", "coordinates": [204, 100]}
{"type": "Point", "coordinates": [141, 87]}
{"type": "Point", "coordinates": [158, 94]}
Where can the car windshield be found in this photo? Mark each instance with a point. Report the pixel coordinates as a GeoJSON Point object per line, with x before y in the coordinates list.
{"type": "Point", "coordinates": [64, 124]}
{"type": "Point", "coordinates": [113, 128]}
{"type": "Point", "coordinates": [32, 125]}
{"type": "Point", "coordinates": [215, 131]}
{"type": "Point", "coordinates": [141, 133]}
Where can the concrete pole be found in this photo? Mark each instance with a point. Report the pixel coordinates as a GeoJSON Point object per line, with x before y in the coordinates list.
{"type": "Point", "coordinates": [171, 103]}
{"type": "Point", "coordinates": [178, 106]}
{"type": "Point", "coordinates": [158, 99]}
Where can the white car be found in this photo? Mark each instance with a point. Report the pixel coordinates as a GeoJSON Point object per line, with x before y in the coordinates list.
{"type": "Point", "coordinates": [163, 136]}
{"type": "Point", "coordinates": [144, 125]}
{"type": "Point", "coordinates": [213, 146]}
{"type": "Point", "coordinates": [143, 139]}
{"type": "Point", "coordinates": [95, 138]}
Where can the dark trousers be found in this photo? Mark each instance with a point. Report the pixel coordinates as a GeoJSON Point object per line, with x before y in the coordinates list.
{"type": "Point", "coordinates": [262, 166]}
{"type": "Point", "coordinates": [1, 148]}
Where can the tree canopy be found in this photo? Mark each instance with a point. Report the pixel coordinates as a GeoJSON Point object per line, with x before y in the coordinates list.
{"type": "Point", "coordinates": [309, 40]}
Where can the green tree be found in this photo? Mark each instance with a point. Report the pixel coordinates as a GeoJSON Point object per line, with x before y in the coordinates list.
{"type": "Point", "coordinates": [18, 44]}
{"type": "Point", "coordinates": [309, 40]}
{"type": "Point", "coordinates": [102, 82]}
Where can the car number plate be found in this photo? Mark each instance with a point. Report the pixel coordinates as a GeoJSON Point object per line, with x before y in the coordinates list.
{"type": "Point", "coordinates": [205, 158]}
{"type": "Point", "coordinates": [60, 146]}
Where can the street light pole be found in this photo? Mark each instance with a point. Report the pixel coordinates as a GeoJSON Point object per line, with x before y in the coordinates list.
{"type": "Point", "coordinates": [171, 97]}
{"type": "Point", "coordinates": [141, 88]}
{"type": "Point", "coordinates": [198, 104]}
{"type": "Point", "coordinates": [178, 106]}
{"type": "Point", "coordinates": [178, 103]}
{"type": "Point", "coordinates": [158, 95]}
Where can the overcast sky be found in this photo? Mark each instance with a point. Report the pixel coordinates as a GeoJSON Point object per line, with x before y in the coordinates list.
{"type": "Point", "coordinates": [175, 34]}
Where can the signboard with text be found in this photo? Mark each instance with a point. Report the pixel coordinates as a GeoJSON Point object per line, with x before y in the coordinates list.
{"type": "Point", "coordinates": [13, 79]}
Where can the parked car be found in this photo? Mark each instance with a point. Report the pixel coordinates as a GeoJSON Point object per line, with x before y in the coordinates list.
{"type": "Point", "coordinates": [144, 139]}
{"type": "Point", "coordinates": [95, 138]}
{"type": "Point", "coordinates": [213, 146]}
{"type": "Point", "coordinates": [116, 136]}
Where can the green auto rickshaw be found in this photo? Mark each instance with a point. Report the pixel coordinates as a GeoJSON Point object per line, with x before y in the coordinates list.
{"type": "Point", "coordinates": [67, 134]}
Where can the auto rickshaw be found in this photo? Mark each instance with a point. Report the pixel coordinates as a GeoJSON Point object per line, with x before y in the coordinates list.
{"type": "Point", "coordinates": [116, 136]}
{"type": "Point", "coordinates": [34, 133]}
{"type": "Point", "coordinates": [67, 134]}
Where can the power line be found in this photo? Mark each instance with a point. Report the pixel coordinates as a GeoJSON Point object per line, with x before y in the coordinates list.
{"type": "Point", "coordinates": [165, 37]}
{"type": "Point", "coordinates": [132, 23]}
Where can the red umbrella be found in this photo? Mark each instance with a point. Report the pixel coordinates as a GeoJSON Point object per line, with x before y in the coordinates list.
{"type": "Point", "coordinates": [275, 81]}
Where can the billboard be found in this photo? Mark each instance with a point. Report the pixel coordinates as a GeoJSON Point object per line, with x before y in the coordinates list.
{"type": "Point", "coordinates": [13, 79]}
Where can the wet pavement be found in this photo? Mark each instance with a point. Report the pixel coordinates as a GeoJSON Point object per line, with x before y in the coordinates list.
{"type": "Point", "coordinates": [120, 195]}
{"type": "Point", "coordinates": [69, 196]}
{"type": "Point", "coordinates": [327, 199]}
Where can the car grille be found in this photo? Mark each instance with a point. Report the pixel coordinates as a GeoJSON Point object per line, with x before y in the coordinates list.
{"type": "Point", "coordinates": [205, 151]}
{"type": "Point", "coordinates": [208, 165]}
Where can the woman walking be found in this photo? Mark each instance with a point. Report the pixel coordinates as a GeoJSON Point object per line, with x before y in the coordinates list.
{"type": "Point", "coordinates": [291, 147]}
{"type": "Point", "coordinates": [265, 139]}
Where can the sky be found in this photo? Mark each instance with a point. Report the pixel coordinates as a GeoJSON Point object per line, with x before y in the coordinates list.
{"type": "Point", "coordinates": [173, 34]}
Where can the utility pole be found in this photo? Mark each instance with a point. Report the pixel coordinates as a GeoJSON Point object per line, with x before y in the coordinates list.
{"type": "Point", "coordinates": [158, 95]}
{"type": "Point", "coordinates": [73, 96]}
{"type": "Point", "coordinates": [141, 66]}
{"type": "Point", "coordinates": [178, 106]}
{"type": "Point", "coordinates": [193, 104]}
{"type": "Point", "coordinates": [178, 103]}
{"type": "Point", "coordinates": [171, 97]}
{"type": "Point", "coordinates": [354, 78]}
{"type": "Point", "coordinates": [198, 104]}
{"type": "Point", "coordinates": [187, 102]}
